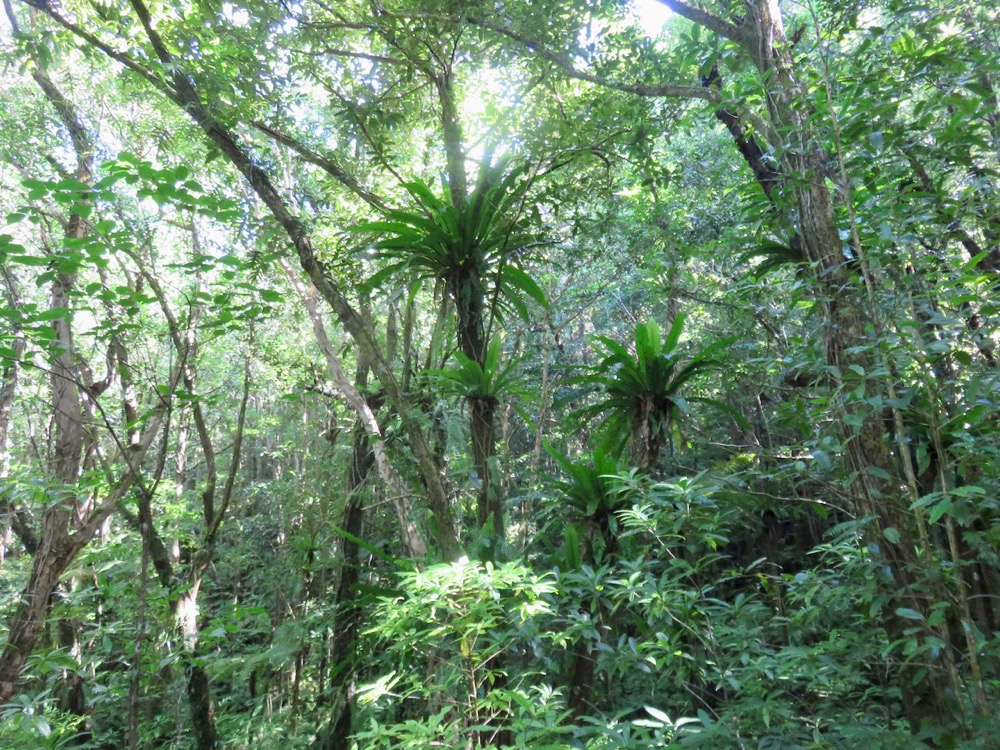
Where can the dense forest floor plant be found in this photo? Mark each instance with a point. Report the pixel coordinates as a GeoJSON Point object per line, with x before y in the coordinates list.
{"type": "Point", "coordinates": [687, 654]}
{"type": "Point", "coordinates": [447, 635]}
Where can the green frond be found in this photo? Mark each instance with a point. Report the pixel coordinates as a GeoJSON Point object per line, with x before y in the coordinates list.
{"type": "Point", "coordinates": [440, 241]}
{"type": "Point", "coordinates": [513, 278]}
{"type": "Point", "coordinates": [469, 379]}
{"type": "Point", "coordinates": [590, 484]}
{"type": "Point", "coordinates": [774, 254]}
{"type": "Point", "coordinates": [426, 197]}
{"type": "Point", "coordinates": [641, 392]}
{"type": "Point", "coordinates": [647, 344]}
{"type": "Point", "coordinates": [674, 334]}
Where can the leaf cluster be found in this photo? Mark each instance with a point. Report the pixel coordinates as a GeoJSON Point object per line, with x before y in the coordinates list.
{"type": "Point", "coordinates": [642, 392]}
{"type": "Point", "coordinates": [459, 245]}
{"type": "Point", "coordinates": [472, 380]}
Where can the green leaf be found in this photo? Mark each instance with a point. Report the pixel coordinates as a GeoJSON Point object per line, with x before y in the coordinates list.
{"type": "Point", "coordinates": [938, 510]}
{"type": "Point", "coordinates": [29, 260]}
{"type": "Point", "coordinates": [657, 713]}
{"type": "Point", "coordinates": [56, 313]}
{"type": "Point", "coordinates": [925, 500]}
{"type": "Point", "coordinates": [968, 490]}
{"type": "Point", "coordinates": [523, 282]}
{"type": "Point", "coordinates": [674, 335]}
{"type": "Point", "coordinates": [42, 726]}
{"type": "Point", "coordinates": [32, 184]}
{"type": "Point", "coordinates": [910, 614]}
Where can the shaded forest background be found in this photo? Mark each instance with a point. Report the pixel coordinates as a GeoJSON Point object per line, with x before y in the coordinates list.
{"type": "Point", "coordinates": [447, 373]}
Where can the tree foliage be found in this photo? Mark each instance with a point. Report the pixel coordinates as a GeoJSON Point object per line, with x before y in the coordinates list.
{"type": "Point", "coordinates": [303, 306]}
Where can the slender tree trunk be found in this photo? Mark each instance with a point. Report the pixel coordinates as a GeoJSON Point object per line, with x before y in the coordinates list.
{"type": "Point", "coordinates": [336, 735]}
{"type": "Point", "coordinates": [50, 560]}
{"type": "Point", "coordinates": [454, 150]}
{"type": "Point", "coordinates": [199, 692]}
{"type": "Point", "coordinates": [54, 551]}
{"type": "Point", "coordinates": [470, 304]}
{"type": "Point", "coordinates": [489, 509]}
{"type": "Point", "coordinates": [399, 491]}
{"type": "Point", "coordinates": [9, 375]}
{"type": "Point", "coordinates": [468, 291]}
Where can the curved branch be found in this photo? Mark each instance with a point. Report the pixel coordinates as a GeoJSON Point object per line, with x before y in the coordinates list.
{"type": "Point", "coordinates": [186, 96]}
{"type": "Point", "coordinates": [337, 52]}
{"type": "Point", "coordinates": [237, 457]}
{"type": "Point", "coordinates": [394, 481]}
{"type": "Point", "coordinates": [107, 49]}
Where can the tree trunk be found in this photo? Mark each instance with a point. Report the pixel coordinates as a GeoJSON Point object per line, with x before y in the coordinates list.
{"type": "Point", "coordinates": [482, 426]}
{"type": "Point", "coordinates": [470, 305]}
{"type": "Point", "coordinates": [336, 735]}
{"type": "Point", "coordinates": [398, 489]}
{"type": "Point", "coordinates": [8, 388]}
{"type": "Point", "coordinates": [50, 561]}
{"type": "Point", "coordinates": [55, 549]}
{"type": "Point", "coordinates": [202, 708]}
{"type": "Point", "coordinates": [582, 680]}
{"type": "Point", "coordinates": [849, 347]}
{"type": "Point", "coordinates": [454, 150]}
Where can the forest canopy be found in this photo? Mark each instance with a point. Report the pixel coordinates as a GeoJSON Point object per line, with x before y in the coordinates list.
{"type": "Point", "coordinates": [463, 374]}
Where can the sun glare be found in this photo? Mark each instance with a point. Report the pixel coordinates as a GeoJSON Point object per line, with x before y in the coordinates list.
{"type": "Point", "coordinates": [650, 15]}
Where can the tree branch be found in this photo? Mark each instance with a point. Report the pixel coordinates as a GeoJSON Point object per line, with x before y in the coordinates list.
{"type": "Point", "coordinates": [336, 52]}
{"type": "Point", "coordinates": [394, 482]}
{"type": "Point", "coordinates": [107, 49]}
{"type": "Point", "coordinates": [567, 66]}
{"type": "Point", "coordinates": [325, 163]}
{"type": "Point", "coordinates": [186, 96]}
{"type": "Point", "coordinates": [234, 464]}
{"type": "Point", "coordinates": [707, 20]}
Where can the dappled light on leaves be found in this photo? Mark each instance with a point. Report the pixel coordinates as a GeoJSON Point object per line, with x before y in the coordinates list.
{"type": "Point", "coordinates": [565, 376]}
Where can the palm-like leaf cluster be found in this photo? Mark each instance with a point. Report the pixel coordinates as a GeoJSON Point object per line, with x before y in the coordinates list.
{"type": "Point", "coordinates": [642, 395]}
{"type": "Point", "coordinates": [472, 380]}
{"type": "Point", "coordinates": [592, 487]}
{"type": "Point", "coordinates": [475, 249]}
